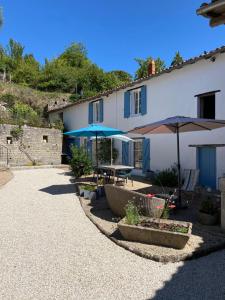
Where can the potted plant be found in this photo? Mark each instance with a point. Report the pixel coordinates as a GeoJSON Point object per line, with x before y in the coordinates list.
{"type": "Point", "coordinates": [90, 192]}
{"type": "Point", "coordinates": [208, 214]}
{"type": "Point", "coordinates": [100, 187]}
{"type": "Point", "coordinates": [81, 190]}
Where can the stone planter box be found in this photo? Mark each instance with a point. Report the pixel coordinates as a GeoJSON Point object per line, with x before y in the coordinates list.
{"type": "Point", "coordinates": [155, 236]}
{"type": "Point", "coordinates": [207, 219]}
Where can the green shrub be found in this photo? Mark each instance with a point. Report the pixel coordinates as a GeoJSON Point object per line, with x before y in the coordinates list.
{"type": "Point", "coordinates": [80, 162]}
{"type": "Point", "coordinates": [167, 177]}
{"type": "Point", "coordinates": [132, 214]}
{"type": "Point", "coordinates": [58, 124]}
{"type": "Point", "coordinates": [90, 188]}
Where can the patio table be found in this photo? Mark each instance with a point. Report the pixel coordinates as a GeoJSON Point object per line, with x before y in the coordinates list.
{"type": "Point", "coordinates": [115, 168]}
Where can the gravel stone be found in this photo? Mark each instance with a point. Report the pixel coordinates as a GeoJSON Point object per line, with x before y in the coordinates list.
{"type": "Point", "coordinates": [49, 249]}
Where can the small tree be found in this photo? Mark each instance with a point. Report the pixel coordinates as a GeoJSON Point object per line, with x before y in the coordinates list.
{"type": "Point", "coordinates": [178, 59]}
{"type": "Point", "coordinates": [80, 162]}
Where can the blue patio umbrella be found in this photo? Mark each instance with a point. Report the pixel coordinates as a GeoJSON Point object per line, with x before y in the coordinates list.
{"type": "Point", "coordinates": [96, 131]}
{"type": "Point", "coordinates": [176, 125]}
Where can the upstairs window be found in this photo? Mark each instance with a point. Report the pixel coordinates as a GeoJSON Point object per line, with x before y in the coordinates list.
{"type": "Point", "coordinates": [96, 111]}
{"type": "Point", "coordinates": [206, 109]}
{"type": "Point", "coordinates": [135, 102]}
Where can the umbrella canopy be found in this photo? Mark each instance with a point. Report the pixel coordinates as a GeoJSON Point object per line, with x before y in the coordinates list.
{"type": "Point", "coordinates": [95, 130]}
{"type": "Point", "coordinates": [120, 137]}
{"type": "Point", "coordinates": [176, 125]}
{"type": "Point", "coordinates": [183, 124]}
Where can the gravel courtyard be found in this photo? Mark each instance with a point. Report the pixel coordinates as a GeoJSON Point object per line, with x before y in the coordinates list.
{"type": "Point", "coordinates": [50, 250]}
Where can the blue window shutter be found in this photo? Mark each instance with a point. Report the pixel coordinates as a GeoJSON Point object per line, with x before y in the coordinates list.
{"type": "Point", "coordinates": [143, 100]}
{"type": "Point", "coordinates": [125, 153]}
{"type": "Point", "coordinates": [146, 155]}
{"type": "Point", "coordinates": [90, 113]}
{"type": "Point", "coordinates": [127, 104]}
{"type": "Point", "coordinates": [101, 110]}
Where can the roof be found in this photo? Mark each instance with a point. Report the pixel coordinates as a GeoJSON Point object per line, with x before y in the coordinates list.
{"type": "Point", "coordinates": [205, 55]}
{"type": "Point", "coordinates": [215, 11]}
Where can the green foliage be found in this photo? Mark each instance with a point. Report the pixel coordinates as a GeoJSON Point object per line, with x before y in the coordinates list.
{"type": "Point", "coordinates": [16, 132]}
{"type": "Point", "coordinates": [80, 162]}
{"type": "Point", "coordinates": [9, 99]}
{"type": "Point", "coordinates": [167, 177]}
{"type": "Point", "coordinates": [104, 151]}
{"type": "Point", "coordinates": [208, 207]}
{"type": "Point", "coordinates": [24, 114]}
{"type": "Point", "coordinates": [178, 59]}
{"type": "Point", "coordinates": [142, 70]}
{"type": "Point", "coordinates": [58, 124]}
{"type": "Point", "coordinates": [132, 214]}
{"type": "Point", "coordinates": [90, 188]}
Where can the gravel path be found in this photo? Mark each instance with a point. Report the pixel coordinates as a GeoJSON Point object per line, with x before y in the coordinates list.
{"type": "Point", "coordinates": [50, 250]}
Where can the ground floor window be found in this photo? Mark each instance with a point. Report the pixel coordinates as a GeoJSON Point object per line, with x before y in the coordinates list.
{"type": "Point", "coordinates": [138, 146]}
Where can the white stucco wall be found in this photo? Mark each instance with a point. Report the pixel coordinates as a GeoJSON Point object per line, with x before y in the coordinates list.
{"type": "Point", "coordinates": [168, 95]}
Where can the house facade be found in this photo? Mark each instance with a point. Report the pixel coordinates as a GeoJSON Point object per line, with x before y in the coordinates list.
{"type": "Point", "coordinates": [195, 88]}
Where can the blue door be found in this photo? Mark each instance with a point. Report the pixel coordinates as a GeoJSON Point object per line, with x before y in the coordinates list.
{"type": "Point", "coordinates": [207, 166]}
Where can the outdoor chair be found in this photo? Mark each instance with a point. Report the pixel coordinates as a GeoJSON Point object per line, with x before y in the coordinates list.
{"type": "Point", "coordinates": [191, 177]}
{"type": "Point", "coordinates": [125, 175]}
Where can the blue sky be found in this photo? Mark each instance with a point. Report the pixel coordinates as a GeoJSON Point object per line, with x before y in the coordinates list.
{"type": "Point", "coordinates": [114, 31]}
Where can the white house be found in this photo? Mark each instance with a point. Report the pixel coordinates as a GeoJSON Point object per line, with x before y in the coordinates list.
{"type": "Point", "coordinates": [195, 88]}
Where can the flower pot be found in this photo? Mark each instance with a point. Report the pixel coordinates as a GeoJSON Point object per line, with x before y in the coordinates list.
{"type": "Point", "coordinates": [81, 192]}
{"type": "Point", "coordinates": [86, 194]}
{"type": "Point", "coordinates": [100, 191]}
{"type": "Point", "coordinates": [141, 234]}
{"type": "Point", "coordinates": [92, 196]}
{"type": "Point", "coordinates": [207, 219]}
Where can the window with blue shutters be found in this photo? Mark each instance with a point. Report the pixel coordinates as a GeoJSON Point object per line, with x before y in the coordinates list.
{"type": "Point", "coordinates": [96, 111]}
{"type": "Point", "coordinates": [135, 102]}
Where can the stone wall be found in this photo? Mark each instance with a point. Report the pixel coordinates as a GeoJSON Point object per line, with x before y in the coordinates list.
{"type": "Point", "coordinates": [42, 146]}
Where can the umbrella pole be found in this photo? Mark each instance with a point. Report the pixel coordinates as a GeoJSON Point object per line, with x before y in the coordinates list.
{"type": "Point", "coordinates": [96, 148]}
{"type": "Point", "coordinates": [178, 166]}
{"type": "Point", "coordinates": [111, 151]}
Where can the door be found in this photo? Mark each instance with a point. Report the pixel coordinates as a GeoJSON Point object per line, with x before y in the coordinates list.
{"type": "Point", "coordinates": [207, 166]}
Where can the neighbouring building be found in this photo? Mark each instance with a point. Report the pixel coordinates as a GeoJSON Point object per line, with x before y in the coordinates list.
{"type": "Point", "coordinates": [195, 88]}
{"type": "Point", "coordinates": [34, 146]}
{"type": "Point", "coordinates": [214, 11]}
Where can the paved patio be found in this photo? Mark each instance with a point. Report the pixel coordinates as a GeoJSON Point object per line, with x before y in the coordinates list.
{"type": "Point", "coordinates": [50, 250]}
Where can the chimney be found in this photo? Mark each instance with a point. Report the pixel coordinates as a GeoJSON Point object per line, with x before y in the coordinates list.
{"type": "Point", "coordinates": [151, 67]}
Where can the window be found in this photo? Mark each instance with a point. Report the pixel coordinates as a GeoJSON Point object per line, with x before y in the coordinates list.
{"type": "Point", "coordinates": [206, 107]}
{"type": "Point", "coordinates": [135, 101]}
{"type": "Point", "coordinates": [45, 138]}
{"type": "Point", "coordinates": [96, 111]}
{"type": "Point", "coordinates": [138, 146]}
{"type": "Point", "coordinates": [9, 140]}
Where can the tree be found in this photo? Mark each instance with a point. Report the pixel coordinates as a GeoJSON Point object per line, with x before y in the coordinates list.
{"type": "Point", "coordinates": [178, 59]}
{"type": "Point", "coordinates": [122, 76]}
{"type": "Point", "coordinates": [142, 71]}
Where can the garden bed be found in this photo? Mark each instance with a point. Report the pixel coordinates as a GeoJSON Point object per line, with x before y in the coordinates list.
{"type": "Point", "coordinates": [203, 240]}
{"type": "Point", "coordinates": [167, 233]}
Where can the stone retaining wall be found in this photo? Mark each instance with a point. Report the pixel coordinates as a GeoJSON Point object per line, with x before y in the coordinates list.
{"type": "Point", "coordinates": [36, 146]}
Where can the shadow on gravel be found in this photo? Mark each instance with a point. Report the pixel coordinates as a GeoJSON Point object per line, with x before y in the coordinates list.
{"type": "Point", "coordinates": [59, 189]}
{"type": "Point", "coordinates": [198, 279]}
